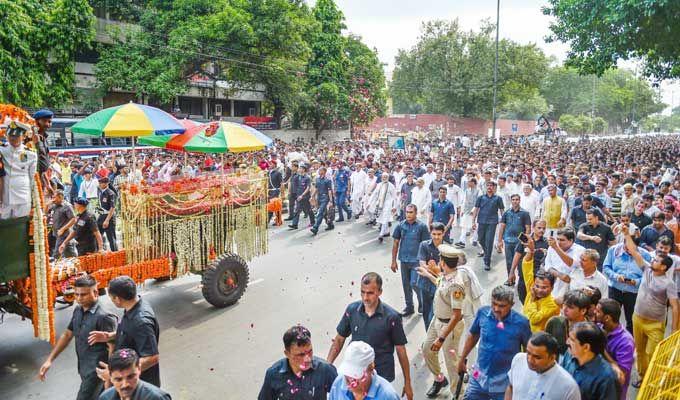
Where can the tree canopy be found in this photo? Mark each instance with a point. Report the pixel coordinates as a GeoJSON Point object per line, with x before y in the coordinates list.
{"type": "Point", "coordinates": [38, 41]}
{"type": "Point", "coordinates": [602, 32]}
{"type": "Point", "coordinates": [450, 71]}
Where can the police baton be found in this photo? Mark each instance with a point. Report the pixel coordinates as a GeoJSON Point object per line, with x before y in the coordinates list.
{"type": "Point", "coordinates": [459, 385]}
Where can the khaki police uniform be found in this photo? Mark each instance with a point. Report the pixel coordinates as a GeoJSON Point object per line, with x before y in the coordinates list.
{"type": "Point", "coordinates": [451, 294]}
{"type": "Point", "coordinates": [20, 167]}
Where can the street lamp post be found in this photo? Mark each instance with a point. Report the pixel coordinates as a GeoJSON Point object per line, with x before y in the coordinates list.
{"type": "Point", "coordinates": [495, 69]}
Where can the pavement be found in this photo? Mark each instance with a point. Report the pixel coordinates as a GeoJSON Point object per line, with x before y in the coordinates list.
{"type": "Point", "coordinates": [208, 353]}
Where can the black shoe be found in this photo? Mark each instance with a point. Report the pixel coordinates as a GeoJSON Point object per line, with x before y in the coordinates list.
{"type": "Point", "coordinates": [386, 235]}
{"type": "Point", "coordinates": [330, 227]}
{"type": "Point", "coordinates": [292, 226]}
{"type": "Point", "coordinates": [380, 240]}
{"type": "Point", "coordinates": [487, 268]}
{"type": "Point", "coordinates": [480, 254]}
{"type": "Point", "coordinates": [357, 216]}
{"type": "Point", "coordinates": [436, 387]}
{"type": "Point", "coordinates": [474, 243]}
{"type": "Point", "coordinates": [314, 231]}
{"type": "Point", "coordinates": [288, 219]}
{"type": "Point", "coordinates": [407, 312]}
{"type": "Point", "coordinates": [460, 245]}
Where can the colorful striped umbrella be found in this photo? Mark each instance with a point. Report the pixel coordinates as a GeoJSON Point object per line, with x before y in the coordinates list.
{"type": "Point", "coordinates": [215, 137]}
{"type": "Point", "coordinates": [129, 120]}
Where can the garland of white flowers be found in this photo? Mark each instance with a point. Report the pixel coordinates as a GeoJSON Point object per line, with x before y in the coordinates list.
{"type": "Point", "coordinates": [41, 268]}
{"type": "Point", "coordinates": [153, 229]}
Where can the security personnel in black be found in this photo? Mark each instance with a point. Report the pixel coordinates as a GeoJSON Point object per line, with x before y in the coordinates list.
{"type": "Point", "coordinates": [88, 316]}
{"type": "Point", "coordinates": [138, 330]}
{"type": "Point", "coordinates": [85, 231]}
{"type": "Point", "coordinates": [292, 182]}
{"type": "Point", "coordinates": [106, 221]}
{"type": "Point", "coordinates": [304, 188]}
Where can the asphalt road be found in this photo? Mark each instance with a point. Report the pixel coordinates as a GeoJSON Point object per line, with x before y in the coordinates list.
{"type": "Point", "coordinates": [208, 353]}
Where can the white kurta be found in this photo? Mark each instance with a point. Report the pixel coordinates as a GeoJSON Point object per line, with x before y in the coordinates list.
{"type": "Point", "coordinates": [368, 190]}
{"type": "Point", "coordinates": [422, 198]}
{"type": "Point", "coordinates": [530, 203]}
{"type": "Point", "coordinates": [358, 181]}
{"type": "Point", "coordinates": [383, 199]}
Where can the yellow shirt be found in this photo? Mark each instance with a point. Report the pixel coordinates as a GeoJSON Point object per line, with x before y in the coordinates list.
{"type": "Point", "coordinates": [553, 211]}
{"type": "Point", "coordinates": [537, 311]}
{"type": "Point", "coordinates": [65, 174]}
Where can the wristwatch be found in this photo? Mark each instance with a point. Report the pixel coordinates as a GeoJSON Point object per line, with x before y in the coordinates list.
{"type": "Point", "coordinates": [441, 339]}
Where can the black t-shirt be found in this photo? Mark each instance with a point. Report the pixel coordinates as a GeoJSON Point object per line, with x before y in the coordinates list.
{"type": "Point", "coordinates": [85, 228]}
{"type": "Point", "coordinates": [604, 232]}
{"type": "Point", "coordinates": [43, 155]}
{"type": "Point", "coordinates": [138, 330]}
{"type": "Point", "coordinates": [641, 220]}
{"type": "Point", "coordinates": [107, 199]}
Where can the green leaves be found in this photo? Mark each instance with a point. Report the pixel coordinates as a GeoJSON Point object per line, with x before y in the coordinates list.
{"type": "Point", "coordinates": [602, 32]}
{"type": "Point", "coordinates": [38, 41]}
{"type": "Point", "coordinates": [344, 80]}
{"type": "Point", "coordinates": [450, 71]}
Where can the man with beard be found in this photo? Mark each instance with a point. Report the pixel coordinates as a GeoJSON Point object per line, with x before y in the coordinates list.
{"type": "Point", "coordinates": [383, 205]}
{"type": "Point", "coordinates": [536, 374]}
{"type": "Point", "coordinates": [539, 304]}
{"type": "Point", "coordinates": [300, 375]}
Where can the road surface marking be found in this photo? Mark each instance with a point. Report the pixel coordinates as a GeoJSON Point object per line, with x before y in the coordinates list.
{"type": "Point", "coordinates": [362, 244]}
{"type": "Point", "coordinates": [255, 282]}
{"type": "Point", "coordinates": [199, 301]}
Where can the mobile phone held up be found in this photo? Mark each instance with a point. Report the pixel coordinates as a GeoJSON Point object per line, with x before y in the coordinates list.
{"type": "Point", "coordinates": [523, 237]}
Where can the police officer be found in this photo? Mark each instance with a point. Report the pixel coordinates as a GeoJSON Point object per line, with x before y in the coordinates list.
{"type": "Point", "coordinates": [20, 166]}
{"type": "Point", "coordinates": [88, 316]}
{"type": "Point", "coordinates": [291, 181]}
{"type": "Point", "coordinates": [85, 231]}
{"type": "Point", "coordinates": [43, 118]}
{"type": "Point", "coordinates": [324, 200]}
{"type": "Point", "coordinates": [106, 221]}
{"type": "Point", "coordinates": [304, 188]}
{"type": "Point", "coordinates": [446, 328]}
{"type": "Point", "coordinates": [341, 187]}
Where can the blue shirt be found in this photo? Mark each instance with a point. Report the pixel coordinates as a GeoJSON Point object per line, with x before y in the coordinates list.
{"type": "Point", "coordinates": [383, 330]}
{"type": "Point", "coordinates": [341, 180]}
{"type": "Point", "coordinates": [410, 236]}
{"type": "Point", "coordinates": [426, 252]}
{"type": "Point", "coordinates": [649, 236]}
{"type": "Point", "coordinates": [323, 186]}
{"type": "Point", "coordinates": [619, 263]}
{"type": "Point", "coordinates": [488, 206]}
{"type": "Point", "coordinates": [515, 223]}
{"type": "Point", "coordinates": [497, 346]}
{"type": "Point", "coordinates": [380, 389]}
{"type": "Point", "coordinates": [281, 383]}
{"type": "Point", "coordinates": [595, 379]}
{"type": "Point", "coordinates": [442, 211]}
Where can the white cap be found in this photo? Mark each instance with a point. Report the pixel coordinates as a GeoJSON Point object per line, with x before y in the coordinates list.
{"type": "Point", "coordinates": [358, 356]}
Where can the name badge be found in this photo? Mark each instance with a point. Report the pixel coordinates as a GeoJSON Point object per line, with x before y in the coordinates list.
{"type": "Point", "coordinates": [81, 223]}
{"type": "Point", "coordinates": [105, 200]}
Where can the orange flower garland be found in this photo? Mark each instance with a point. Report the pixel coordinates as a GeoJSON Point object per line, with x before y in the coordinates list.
{"type": "Point", "coordinates": [9, 112]}
{"type": "Point", "coordinates": [139, 272]}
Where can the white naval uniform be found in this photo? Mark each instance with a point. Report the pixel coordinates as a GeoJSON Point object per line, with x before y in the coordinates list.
{"type": "Point", "coordinates": [20, 167]}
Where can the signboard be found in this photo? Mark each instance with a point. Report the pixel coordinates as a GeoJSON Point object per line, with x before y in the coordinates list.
{"type": "Point", "coordinates": [396, 142]}
{"type": "Point", "coordinates": [514, 128]}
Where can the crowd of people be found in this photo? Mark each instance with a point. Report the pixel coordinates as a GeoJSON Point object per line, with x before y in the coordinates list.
{"type": "Point", "coordinates": [587, 231]}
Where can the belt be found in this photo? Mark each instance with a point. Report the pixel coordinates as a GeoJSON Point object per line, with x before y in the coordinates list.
{"type": "Point", "coordinates": [444, 320]}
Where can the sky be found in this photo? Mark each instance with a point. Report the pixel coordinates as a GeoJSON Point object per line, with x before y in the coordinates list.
{"type": "Point", "coordinates": [390, 25]}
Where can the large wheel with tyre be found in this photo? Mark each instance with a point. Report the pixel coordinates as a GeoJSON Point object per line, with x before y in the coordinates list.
{"type": "Point", "coordinates": [225, 280]}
